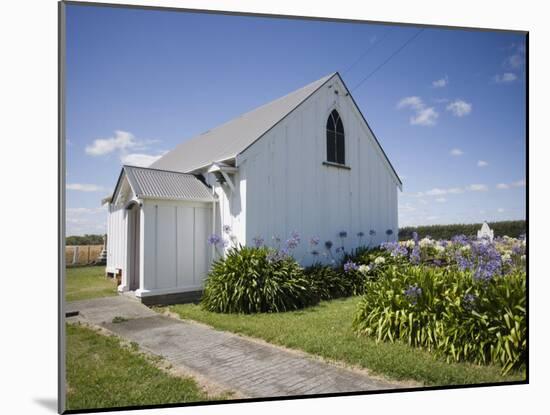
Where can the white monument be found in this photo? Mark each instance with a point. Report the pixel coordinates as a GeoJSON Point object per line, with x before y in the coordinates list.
{"type": "Point", "coordinates": [485, 232]}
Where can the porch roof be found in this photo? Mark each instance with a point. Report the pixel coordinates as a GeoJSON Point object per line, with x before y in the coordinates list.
{"type": "Point", "coordinates": [150, 183]}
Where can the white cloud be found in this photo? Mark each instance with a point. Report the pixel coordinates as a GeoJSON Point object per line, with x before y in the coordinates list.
{"type": "Point", "coordinates": [423, 115]}
{"type": "Point", "coordinates": [407, 208]}
{"type": "Point", "coordinates": [137, 159]}
{"type": "Point", "coordinates": [519, 183]}
{"type": "Point", "coordinates": [478, 188]}
{"type": "Point", "coordinates": [81, 187]}
{"type": "Point", "coordinates": [121, 141]}
{"type": "Point", "coordinates": [412, 102]}
{"type": "Point", "coordinates": [440, 83]}
{"type": "Point", "coordinates": [456, 152]}
{"type": "Point", "coordinates": [436, 192]}
{"type": "Point", "coordinates": [500, 210]}
{"type": "Point", "coordinates": [441, 200]}
{"type": "Point", "coordinates": [515, 61]}
{"type": "Point", "coordinates": [505, 78]}
{"type": "Point", "coordinates": [440, 192]}
{"type": "Point", "coordinates": [85, 211]}
{"type": "Point", "coordinates": [426, 116]}
{"type": "Point", "coordinates": [455, 190]}
{"type": "Point", "coordinates": [459, 108]}
{"type": "Point", "coordinates": [482, 163]}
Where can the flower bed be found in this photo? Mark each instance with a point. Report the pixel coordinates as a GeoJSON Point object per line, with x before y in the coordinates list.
{"type": "Point", "coordinates": [462, 298]}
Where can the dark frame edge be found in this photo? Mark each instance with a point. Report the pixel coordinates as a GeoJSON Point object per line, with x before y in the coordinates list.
{"type": "Point", "coordinates": [61, 369]}
{"type": "Point", "coordinates": [287, 16]}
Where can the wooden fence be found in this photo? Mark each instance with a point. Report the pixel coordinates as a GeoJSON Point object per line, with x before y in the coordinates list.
{"type": "Point", "coordinates": [82, 254]}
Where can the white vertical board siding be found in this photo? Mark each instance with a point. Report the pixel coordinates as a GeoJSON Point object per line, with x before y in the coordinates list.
{"type": "Point", "coordinates": [116, 239]}
{"type": "Point", "coordinates": [176, 254]}
{"type": "Point", "coordinates": [231, 204]}
{"type": "Point", "coordinates": [290, 189]}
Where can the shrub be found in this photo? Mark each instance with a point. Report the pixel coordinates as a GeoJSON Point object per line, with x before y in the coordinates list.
{"type": "Point", "coordinates": [250, 280]}
{"type": "Point", "coordinates": [329, 282]}
{"type": "Point", "coordinates": [450, 312]}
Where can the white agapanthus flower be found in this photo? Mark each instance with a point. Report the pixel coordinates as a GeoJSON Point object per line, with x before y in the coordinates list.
{"type": "Point", "coordinates": [425, 242]}
{"type": "Point", "coordinates": [409, 244]}
{"type": "Point", "coordinates": [379, 260]}
{"type": "Point", "coordinates": [506, 258]}
{"type": "Point", "coordinates": [466, 248]}
{"type": "Point", "coordinates": [364, 269]}
{"type": "Point", "coordinates": [440, 249]}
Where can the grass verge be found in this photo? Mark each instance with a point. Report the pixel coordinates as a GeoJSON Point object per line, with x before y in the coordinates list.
{"type": "Point", "coordinates": [325, 330]}
{"type": "Point", "coordinates": [82, 283]}
{"type": "Point", "coordinates": [104, 373]}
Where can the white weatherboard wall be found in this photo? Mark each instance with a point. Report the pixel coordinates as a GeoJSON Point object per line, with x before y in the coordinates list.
{"type": "Point", "coordinates": [231, 209]}
{"type": "Point", "coordinates": [291, 190]}
{"type": "Point", "coordinates": [175, 255]}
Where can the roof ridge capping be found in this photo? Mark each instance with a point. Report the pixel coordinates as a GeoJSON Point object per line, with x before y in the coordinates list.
{"type": "Point", "coordinates": [155, 169]}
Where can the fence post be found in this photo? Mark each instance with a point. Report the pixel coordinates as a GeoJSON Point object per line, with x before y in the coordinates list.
{"type": "Point", "coordinates": [75, 254]}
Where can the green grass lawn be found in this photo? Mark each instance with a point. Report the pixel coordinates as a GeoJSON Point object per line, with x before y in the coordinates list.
{"type": "Point", "coordinates": [82, 283]}
{"type": "Point", "coordinates": [325, 330]}
{"type": "Point", "coordinates": [103, 373]}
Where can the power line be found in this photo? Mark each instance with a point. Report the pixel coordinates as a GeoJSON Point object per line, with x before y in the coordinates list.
{"type": "Point", "coordinates": [371, 47]}
{"type": "Point", "coordinates": [403, 46]}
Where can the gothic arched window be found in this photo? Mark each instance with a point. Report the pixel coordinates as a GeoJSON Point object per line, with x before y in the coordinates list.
{"type": "Point", "coordinates": [336, 152]}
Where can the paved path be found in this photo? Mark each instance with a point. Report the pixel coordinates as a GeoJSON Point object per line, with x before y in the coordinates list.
{"type": "Point", "coordinates": [253, 369]}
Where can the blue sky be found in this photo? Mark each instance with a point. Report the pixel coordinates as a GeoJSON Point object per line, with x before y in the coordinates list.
{"type": "Point", "coordinates": [448, 109]}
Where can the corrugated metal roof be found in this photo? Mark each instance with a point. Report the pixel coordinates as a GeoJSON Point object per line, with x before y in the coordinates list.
{"type": "Point", "coordinates": [228, 140]}
{"type": "Point", "coordinates": [162, 184]}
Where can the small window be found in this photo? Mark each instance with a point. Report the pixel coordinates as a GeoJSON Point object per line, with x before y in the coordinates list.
{"type": "Point", "coordinates": [335, 139]}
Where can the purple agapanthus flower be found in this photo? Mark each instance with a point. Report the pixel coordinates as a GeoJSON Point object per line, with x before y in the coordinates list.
{"type": "Point", "coordinates": [360, 234]}
{"type": "Point", "coordinates": [415, 255]}
{"type": "Point", "coordinates": [314, 241]}
{"type": "Point", "coordinates": [350, 266]}
{"type": "Point", "coordinates": [343, 234]}
{"type": "Point", "coordinates": [415, 237]}
{"type": "Point", "coordinates": [296, 236]}
{"type": "Point", "coordinates": [328, 244]}
{"type": "Point", "coordinates": [395, 248]}
{"type": "Point", "coordinates": [468, 301]}
{"type": "Point", "coordinates": [277, 255]}
{"type": "Point", "coordinates": [413, 293]}
{"type": "Point", "coordinates": [315, 252]}
{"type": "Point", "coordinates": [258, 241]}
{"type": "Point", "coordinates": [292, 243]}
{"type": "Point", "coordinates": [460, 240]}
{"type": "Point", "coordinates": [214, 239]}
{"type": "Point", "coordinates": [372, 232]}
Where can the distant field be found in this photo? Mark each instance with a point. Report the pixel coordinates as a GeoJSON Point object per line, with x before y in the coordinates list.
{"type": "Point", "coordinates": [82, 283]}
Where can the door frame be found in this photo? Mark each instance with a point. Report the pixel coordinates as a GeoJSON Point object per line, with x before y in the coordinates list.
{"type": "Point", "coordinates": [133, 239]}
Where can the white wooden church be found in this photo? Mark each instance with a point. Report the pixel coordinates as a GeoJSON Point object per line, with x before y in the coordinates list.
{"type": "Point", "coordinates": [307, 162]}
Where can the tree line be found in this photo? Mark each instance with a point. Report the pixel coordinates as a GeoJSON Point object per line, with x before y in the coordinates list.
{"type": "Point", "coordinates": [512, 228]}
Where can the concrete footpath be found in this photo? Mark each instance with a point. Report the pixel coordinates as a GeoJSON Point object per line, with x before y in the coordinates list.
{"type": "Point", "coordinates": [251, 368]}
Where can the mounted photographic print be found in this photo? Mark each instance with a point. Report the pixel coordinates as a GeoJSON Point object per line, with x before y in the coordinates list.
{"type": "Point", "coordinates": [275, 207]}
